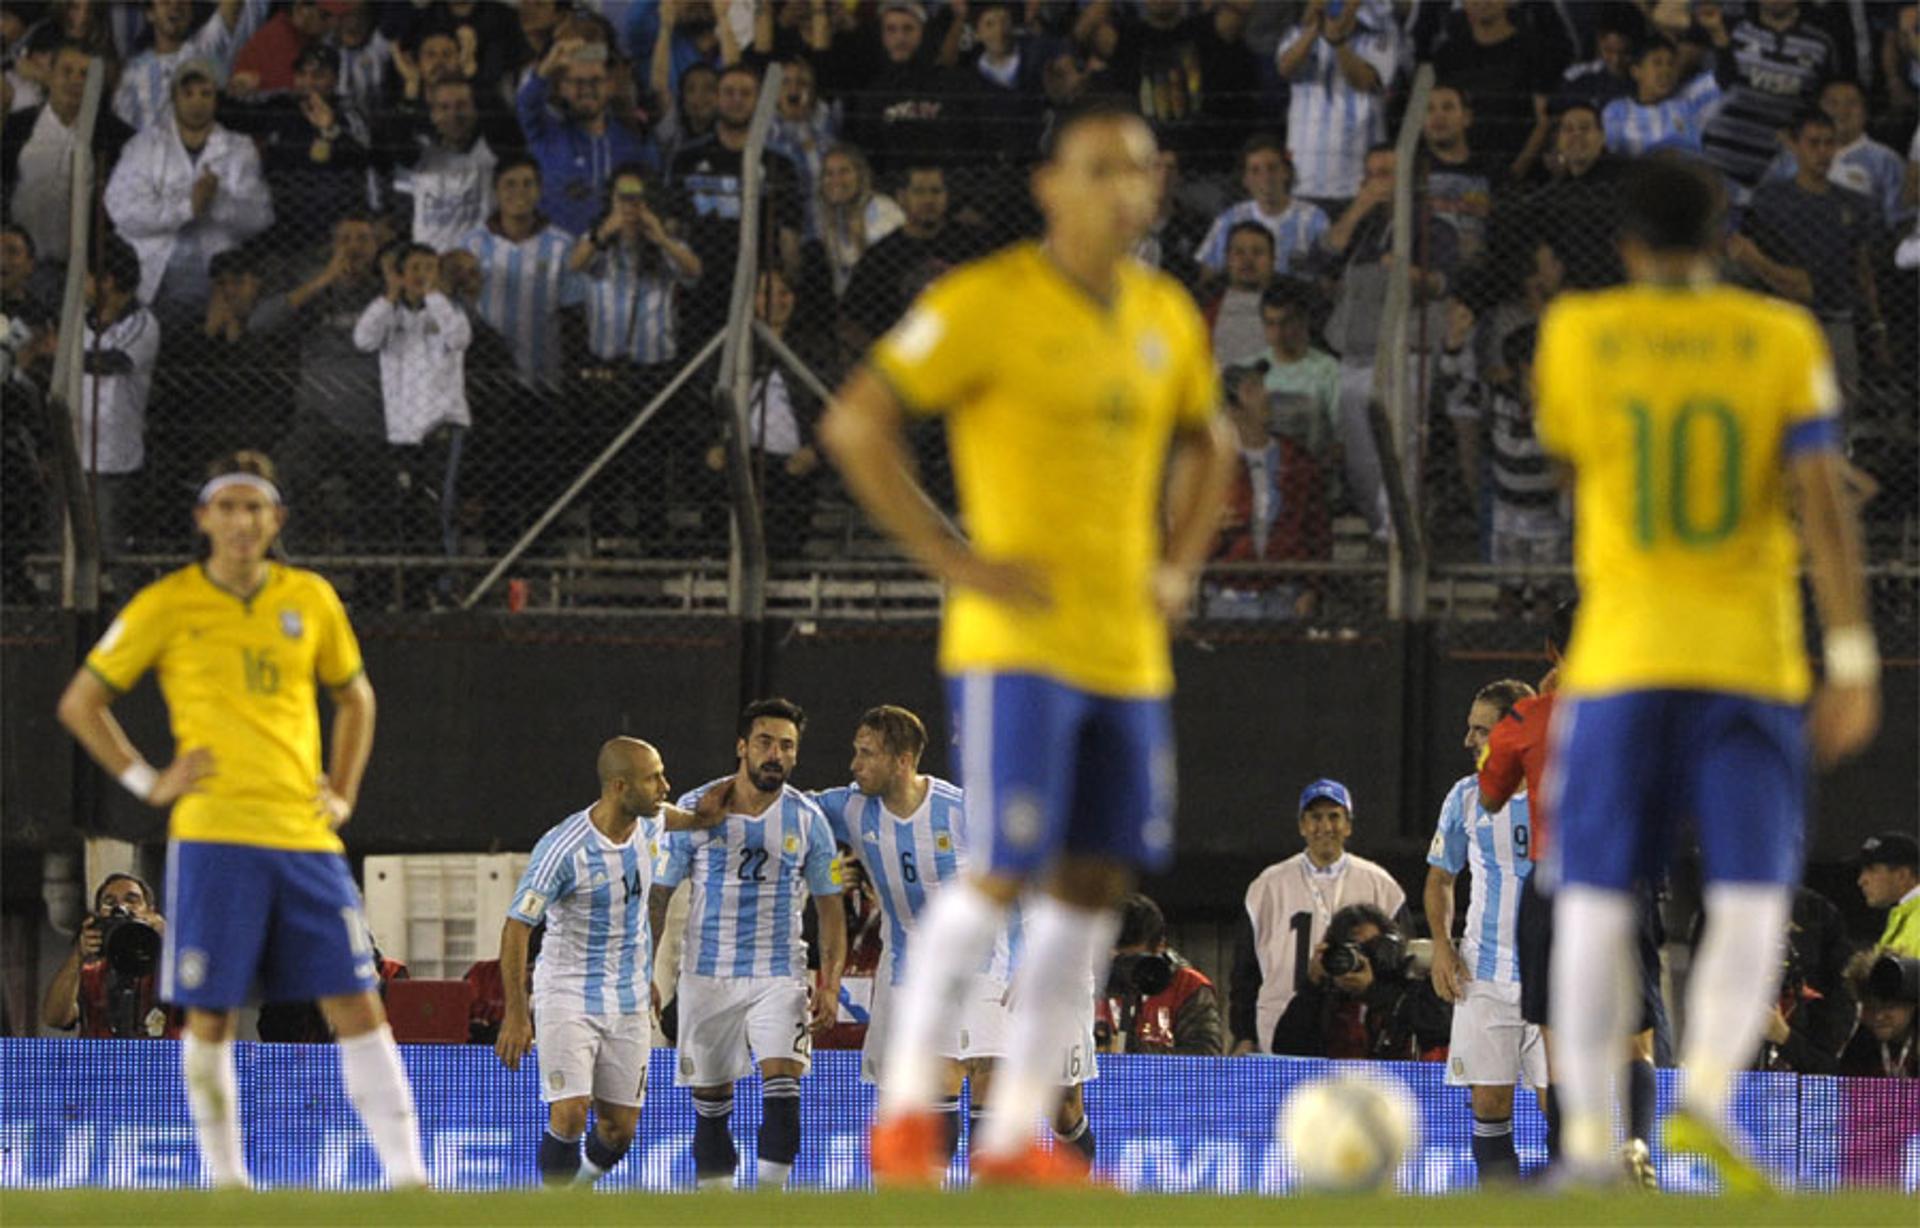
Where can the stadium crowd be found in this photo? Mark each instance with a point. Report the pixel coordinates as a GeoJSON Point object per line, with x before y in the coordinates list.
{"type": "Point", "coordinates": [434, 256]}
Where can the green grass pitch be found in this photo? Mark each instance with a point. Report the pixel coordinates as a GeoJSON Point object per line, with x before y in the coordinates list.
{"type": "Point", "coordinates": [1001, 1209]}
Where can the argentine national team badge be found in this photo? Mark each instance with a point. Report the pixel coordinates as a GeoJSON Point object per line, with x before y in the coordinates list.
{"type": "Point", "coordinates": [791, 844]}
{"type": "Point", "coordinates": [943, 842]}
{"type": "Point", "coordinates": [290, 624]}
{"type": "Point", "coordinates": [1152, 350]}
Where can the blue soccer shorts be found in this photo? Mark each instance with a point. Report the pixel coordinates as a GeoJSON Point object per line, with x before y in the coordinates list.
{"type": "Point", "coordinates": [1051, 769]}
{"type": "Point", "coordinates": [1627, 771]}
{"type": "Point", "coordinates": [238, 914]}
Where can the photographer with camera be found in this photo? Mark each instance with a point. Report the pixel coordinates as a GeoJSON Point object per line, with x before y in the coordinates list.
{"type": "Point", "coordinates": [1362, 998]}
{"type": "Point", "coordinates": [1887, 1044]}
{"type": "Point", "coordinates": [108, 986]}
{"type": "Point", "coordinates": [1155, 1001]}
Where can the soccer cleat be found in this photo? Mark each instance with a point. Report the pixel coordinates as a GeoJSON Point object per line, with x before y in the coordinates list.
{"type": "Point", "coordinates": [1036, 1166]}
{"type": "Point", "coordinates": [1689, 1133]}
{"type": "Point", "coordinates": [906, 1151]}
{"type": "Point", "coordinates": [1637, 1157]}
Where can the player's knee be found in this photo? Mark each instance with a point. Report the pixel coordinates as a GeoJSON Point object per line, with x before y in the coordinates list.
{"type": "Point", "coordinates": [211, 1027]}
{"type": "Point", "coordinates": [568, 1118]}
{"type": "Point", "coordinates": [1002, 889]}
{"type": "Point", "coordinates": [1089, 882]}
{"type": "Point", "coordinates": [353, 1014]}
{"type": "Point", "coordinates": [615, 1123]}
{"type": "Point", "coordinates": [1492, 1103]}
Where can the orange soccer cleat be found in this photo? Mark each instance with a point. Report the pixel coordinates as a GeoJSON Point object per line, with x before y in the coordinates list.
{"type": "Point", "coordinates": [906, 1151]}
{"type": "Point", "coordinates": [1035, 1166]}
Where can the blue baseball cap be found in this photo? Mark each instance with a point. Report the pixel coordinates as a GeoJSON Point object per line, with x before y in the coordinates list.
{"type": "Point", "coordinates": [1332, 790]}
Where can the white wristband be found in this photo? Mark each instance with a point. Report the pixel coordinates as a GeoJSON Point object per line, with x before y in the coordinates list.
{"type": "Point", "coordinates": [1852, 658]}
{"type": "Point", "coordinates": [139, 779]}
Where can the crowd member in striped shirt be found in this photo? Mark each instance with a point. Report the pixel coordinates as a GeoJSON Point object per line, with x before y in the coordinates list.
{"type": "Point", "coordinates": [909, 831]}
{"type": "Point", "coordinates": [1774, 63]}
{"type": "Point", "coordinates": [1337, 65]}
{"type": "Point", "coordinates": [1491, 1044]}
{"type": "Point", "coordinates": [524, 275]}
{"type": "Point", "coordinates": [1662, 113]}
{"type": "Point", "coordinates": [145, 95]}
{"type": "Point", "coordinates": [366, 58]}
{"type": "Point", "coordinates": [1296, 225]}
{"type": "Point", "coordinates": [744, 992]}
{"type": "Point", "coordinates": [1530, 525]}
{"type": "Point", "coordinates": [589, 881]}
{"type": "Point", "coordinates": [631, 262]}
{"type": "Point", "coordinates": [803, 129]}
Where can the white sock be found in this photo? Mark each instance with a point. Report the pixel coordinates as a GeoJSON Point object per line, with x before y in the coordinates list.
{"type": "Point", "coordinates": [377, 1085]}
{"type": "Point", "coordinates": [1592, 995]}
{"type": "Point", "coordinates": [1049, 991]}
{"type": "Point", "coordinates": [1736, 978]}
{"type": "Point", "coordinates": [715, 1183]}
{"type": "Point", "coordinates": [773, 1174]}
{"type": "Point", "coordinates": [950, 944]}
{"type": "Point", "coordinates": [213, 1093]}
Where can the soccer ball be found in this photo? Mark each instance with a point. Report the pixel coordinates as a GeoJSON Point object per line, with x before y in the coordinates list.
{"type": "Point", "coordinates": [1347, 1133]}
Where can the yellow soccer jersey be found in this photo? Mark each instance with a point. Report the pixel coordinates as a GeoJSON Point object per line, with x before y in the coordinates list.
{"type": "Point", "coordinates": [238, 677]}
{"type": "Point", "coordinates": [1678, 409]}
{"type": "Point", "coordinates": [1060, 411]}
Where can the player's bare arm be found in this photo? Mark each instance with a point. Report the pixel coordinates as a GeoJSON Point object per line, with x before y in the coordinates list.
{"type": "Point", "coordinates": [862, 432]}
{"type": "Point", "coordinates": [833, 958]}
{"type": "Point", "coordinates": [1449, 972]}
{"type": "Point", "coordinates": [353, 713]}
{"type": "Point", "coordinates": [84, 711]}
{"type": "Point", "coordinates": [1846, 707]}
{"type": "Point", "coordinates": [1198, 477]}
{"type": "Point", "coordinates": [516, 1022]}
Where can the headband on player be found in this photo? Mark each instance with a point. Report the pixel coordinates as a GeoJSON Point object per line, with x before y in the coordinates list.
{"type": "Point", "coordinates": [227, 480]}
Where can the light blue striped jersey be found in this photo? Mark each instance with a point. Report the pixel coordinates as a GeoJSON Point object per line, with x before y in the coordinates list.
{"type": "Point", "coordinates": [1493, 848]}
{"type": "Point", "coordinates": [630, 312]}
{"type": "Point", "coordinates": [1295, 229]}
{"type": "Point", "coordinates": [145, 96]}
{"type": "Point", "coordinates": [750, 877]}
{"type": "Point", "coordinates": [592, 893]}
{"type": "Point", "coordinates": [1330, 123]}
{"type": "Point", "coordinates": [1678, 121]}
{"type": "Point", "coordinates": [907, 858]}
{"type": "Point", "coordinates": [523, 286]}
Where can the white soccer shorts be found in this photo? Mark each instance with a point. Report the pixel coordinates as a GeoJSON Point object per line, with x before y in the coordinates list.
{"type": "Point", "coordinates": [873, 1051]}
{"type": "Point", "coordinates": [1491, 1044]}
{"type": "Point", "coordinates": [603, 1056]}
{"type": "Point", "coordinates": [986, 1022]}
{"type": "Point", "coordinates": [729, 1023]}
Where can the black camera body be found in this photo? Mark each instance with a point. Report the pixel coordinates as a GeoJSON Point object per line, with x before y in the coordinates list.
{"type": "Point", "coordinates": [130, 946]}
{"type": "Point", "coordinates": [1386, 953]}
{"type": "Point", "coordinates": [1138, 974]}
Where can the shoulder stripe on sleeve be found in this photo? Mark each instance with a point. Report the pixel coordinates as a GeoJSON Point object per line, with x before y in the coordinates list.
{"type": "Point", "coordinates": [1820, 434]}
{"type": "Point", "coordinates": [105, 681]}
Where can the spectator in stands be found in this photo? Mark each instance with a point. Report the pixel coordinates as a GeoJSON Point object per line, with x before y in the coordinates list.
{"type": "Point", "coordinates": [339, 421]}
{"type": "Point", "coordinates": [803, 130]}
{"type": "Point", "coordinates": [1006, 81]}
{"type": "Point", "coordinates": [1063, 80]}
{"type": "Point", "coordinates": [1338, 66]}
{"type": "Point", "coordinates": [577, 144]}
{"type": "Point", "coordinates": [28, 337]}
{"type": "Point", "coordinates": [1275, 511]}
{"type": "Point", "coordinates": [266, 62]}
{"type": "Point", "coordinates": [524, 276]}
{"type": "Point", "coordinates": [689, 114]}
{"type": "Point", "coordinates": [1459, 181]}
{"type": "Point", "coordinates": [96, 996]}
{"type": "Point", "coordinates": [1608, 74]}
{"type": "Point", "coordinates": [1815, 1012]}
{"type": "Point", "coordinates": [1890, 879]}
{"type": "Point", "coordinates": [1233, 316]}
{"type": "Point", "coordinates": [145, 96]}
{"type": "Point", "coordinates": [1510, 73]}
{"type": "Point", "coordinates": [1267, 175]}
{"type": "Point", "coordinates": [1579, 204]}
{"type": "Point", "coordinates": [1493, 418]}
{"type": "Point", "coordinates": [185, 191]}
{"type": "Point", "coordinates": [712, 175]}
{"type": "Point", "coordinates": [91, 25]}
{"type": "Point", "coordinates": [1155, 1001]}
{"type": "Point", "coordinates": [28, 315]}
{"type": "Point", "coordinates": [1661, 112]}
{"type": "Point", "coordinates": [432, 54]}
{"type": "Point", "coordinates": [366, 62]}
{"type": "Point", "coordinates": [1188, 66]}
{"type": "Point", "coordinates": [1360, 1000]}
{"type": "Point", "coordinates": [1312, 884]}
{"type": "Point", "coordinates": [314, 149]}
{"type": "Point", "coordinates": [421, 339]}
{"type": "Point", "coordinates": [1177, 228]}
{"type": "Point", "coordinates": [908, 107]}
{"type": "Point", "coordinates": [1860, 163]}
{"type": "Point", "coordinates": [1775, 61]}
{"type": "Point", "coordinates": [1887, 1044]}
{"type": "Point", "coordinates": [686, 34]}
{"type": "Point", "coordinates": [36, 155]}
{"type": "Point", "coordinates": [1303, 381]}
{"type": "Point", "coordinates": [632, 263]}
{"type": "Point", "coordinates": [446, 164]}
{"type": "Point", "coordinates": [1810, 240]}
{"type": "Point", "coordinates": [892, 272]}
{"type": "Point", "coordinates": [121, 342]}
{"type": "Point", "coordinates": [853, 216]}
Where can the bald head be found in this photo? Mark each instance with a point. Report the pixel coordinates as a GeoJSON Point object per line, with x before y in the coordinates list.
{"type": "Point", "coordinates": [632, 776]}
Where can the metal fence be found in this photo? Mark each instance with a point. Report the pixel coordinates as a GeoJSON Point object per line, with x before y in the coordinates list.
{"type": "Point", "coordinates": [518, 339]}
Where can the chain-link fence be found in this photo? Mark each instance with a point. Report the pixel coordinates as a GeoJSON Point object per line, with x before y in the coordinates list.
{"type": "Point", "coordinates": [438, 261]}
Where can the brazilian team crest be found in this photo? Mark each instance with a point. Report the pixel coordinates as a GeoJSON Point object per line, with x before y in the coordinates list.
{"type": "Point", "coordinates": [290, 624]}
{"type": "Point", "coordinates": [1152, 350]}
